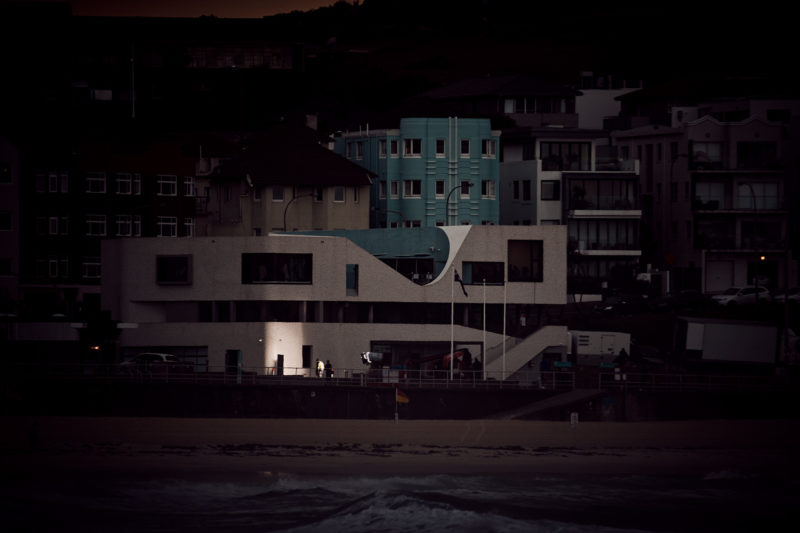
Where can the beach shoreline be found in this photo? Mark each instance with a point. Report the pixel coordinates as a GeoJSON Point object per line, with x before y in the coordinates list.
{"type": "Point", "coordinates": [213, 448]}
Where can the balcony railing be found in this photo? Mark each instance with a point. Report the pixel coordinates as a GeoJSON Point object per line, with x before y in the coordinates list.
{"type": "Point", "coordinates": [612, 203]}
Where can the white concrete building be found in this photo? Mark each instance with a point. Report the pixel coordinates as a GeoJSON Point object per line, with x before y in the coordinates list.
{"type": "Point", "coordinates": [281, 301]}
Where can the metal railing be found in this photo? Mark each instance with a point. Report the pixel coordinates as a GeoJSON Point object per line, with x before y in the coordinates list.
{"type": "Point", "coordinates": [289, 376]}
{"type": "Point", "coordinates": [688, 382]}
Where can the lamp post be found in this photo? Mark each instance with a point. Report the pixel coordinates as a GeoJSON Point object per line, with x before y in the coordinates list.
{"type": "Point", "coordinates": [468, 185]}
{"type": "Point", "coordinates": [400, 214]}
{"type": "Point", "coordinates": [290, 203]}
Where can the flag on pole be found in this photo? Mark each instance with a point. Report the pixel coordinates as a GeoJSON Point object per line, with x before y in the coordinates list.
{"type": "Point", "coordinates": [458, 279]}
{"type": "Point", "coordinates": [400, 396]}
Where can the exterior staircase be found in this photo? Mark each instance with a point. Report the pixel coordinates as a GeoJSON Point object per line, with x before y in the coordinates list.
{"type": "Point", "coordinates": [519, 351]}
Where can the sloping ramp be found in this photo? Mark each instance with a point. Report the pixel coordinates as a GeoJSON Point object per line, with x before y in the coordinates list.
{"type": "Point", "coordinates": [559, 400]}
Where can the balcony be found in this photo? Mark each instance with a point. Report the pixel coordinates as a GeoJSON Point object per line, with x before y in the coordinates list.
{"type": "Point", "coordinates": [582, 247]}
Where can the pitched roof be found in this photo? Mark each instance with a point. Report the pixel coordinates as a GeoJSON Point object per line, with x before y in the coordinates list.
{"type": "Point", "coordinates": [289, 155]}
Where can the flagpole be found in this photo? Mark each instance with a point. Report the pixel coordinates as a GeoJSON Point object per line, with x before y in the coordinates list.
{"type": "Point", "coordinates": [484, 329]}
{"type": "Point", "coordinates": [505, 285]}
{"type": "Point", "coordinates": [452, 315]}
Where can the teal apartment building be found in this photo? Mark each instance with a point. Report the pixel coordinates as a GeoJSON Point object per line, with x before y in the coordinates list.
{"type": "Point", "coordinates": [431, 171]}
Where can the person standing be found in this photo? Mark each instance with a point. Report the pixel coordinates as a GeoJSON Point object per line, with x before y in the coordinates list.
{"type": "Point", "coordinates": [328, 369]}
{"type": "Point", "coordinates": [320, 368]}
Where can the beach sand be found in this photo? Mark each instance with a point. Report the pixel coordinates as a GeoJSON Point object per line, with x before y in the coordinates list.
{"type": "Point", "coordinates": [181, 447]}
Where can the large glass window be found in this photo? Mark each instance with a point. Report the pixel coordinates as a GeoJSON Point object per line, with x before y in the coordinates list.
{"type": "Point", "coordinates": [174, 269]}
{"type": "Point", "coordinates": [167, 226]}
{"type": "Point", "coordinates": [565, 155]}
{"type": "Point", "coordinates": [412, 188]}
{"type": "Point", "coordinates": [475, 272]}
{"type": "Point", "coordinates": [758, 196]}
{"type": "Point", "coordinates": [412, 147]}
{"type": "Point", "coordinates": [524, 260]}
{"type": "Point", "coordinates": [96, 225]}
{"type": "Point", "coordinates": [276, 268]}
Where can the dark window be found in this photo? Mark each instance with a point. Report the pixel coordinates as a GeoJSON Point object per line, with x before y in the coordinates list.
{"type": "Point", "coordinates": [551, 190]}
{"type": "Point", "coordinates": [307, 350]}
{"type": "Point", "coordinates": [276, 268]}
{"type": "Point", "coordinates": [516, 189]}
{"type": "Point", "coordinates": [352, 279]}
{"type": "Point", "coordinates": [756, 154]}
{"type": "Point", "coordinates": [524, 260]}
{"type": "Point", "coordinates": [526, 190]}
{"type": "Point", "coordinates": [475, 272]}
{"type": "Point", "coordinates": [174, 269]}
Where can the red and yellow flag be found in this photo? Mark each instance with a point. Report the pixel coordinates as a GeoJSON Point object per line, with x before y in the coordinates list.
{"type": "Point", "coordinates": [400, 396]}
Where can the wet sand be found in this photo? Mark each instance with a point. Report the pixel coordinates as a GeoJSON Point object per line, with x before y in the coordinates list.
{"type": "Point", "coordinates": [180, 447]}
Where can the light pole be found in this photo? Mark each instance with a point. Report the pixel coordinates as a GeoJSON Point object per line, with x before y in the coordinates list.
{"type": "Point", "coordinates": [468, 185]}
{"type": "Point", "coordinates": [400, 214]}
{"type": "Point", "coordinates": [290, 203]}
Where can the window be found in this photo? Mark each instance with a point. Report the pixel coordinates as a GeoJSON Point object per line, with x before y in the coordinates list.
{"type": "Point", "coordinates": [348, 150]}
{"type": "Point", "coordinates": [565, 155]}
{"type": "Point", "coordinates": [91, 267]}
{"type": "Point", "coordinates": [63, 225]}
{"type": "Point", "coordinates": [465, 189]}
{"type": "Point", "coordinates": [551, 190]}
{"type": "Point", "coordinates": [52, 182]}
{"type": "Point", "coordinates": [167, 185]}
{"type": "Point", "coordinates": [355, 194]}
{"type": "Point", "coordinates": [412, 188]}
{"type": "Point", "coordinates": [759, 155]}
{"type": "Point", "coordinates": [96, 225]}
{"type": "Point", "coordinates": [338, 194]}
{"type": "Point", "coordinates": [64, 181]}
{"type": "Point", "coordinates": [318, 194]}
{"type": "Point", "coordinates": [277, 193]}
{"type": "Point", "coordinates": [351, 281]}
{"type": "Point", "coordinates": [524, 260]}
{"type": "Point", "coordinates": [52, 267]}
{"type": "Point", "coordinates": [53, 226]}
{"type": "Point", "coordinates": [136, 184]}
{"type": "Point", "coordinates": [526, 190]}
{"type": "Point", "coordinates": [488, 148]}
{"type": "Point", "coordinates": [412, 147]}
{"type": "Point", "coordinates": [167, 226]}
{"type": "Point", "coordinates": [174, 269]}
{"type": "Point", "coordinates": [276, 268]}
{"type": "Point", "coordinates": [360, 150]}
{"type": "Point", "coordinates": [96, 182]}
{"type": "Point", "coordinates": [393, 148]}
{"type": "Point", "coordinates": [137, 225]}
{"type": "Point", "coordinates": [256, 194]}
{"type": "Point", "coordinates": [188, 186]}
{"type": "Point", "coordinates": [707, 154]}
{"type": "Point", "coordinates": [464, 148]}
{"type": "Point", "coordinates": [188, 227]}
{"type": "Point", "coordinates": [63, 267]}
{"type": "Point", "coordinates": [124, 225]}
{"type": "Point", "coordinates": [394, 189]}
{"type": "Point", "coordinates": [440, 148]}
{"type": "Point", "coordinates": [515, 193]}
{"type": "Point", "coordinates": [439, 189]}
{"type": "Point", "coordinates": [381, 189]}
{"type": "Point", "coordinates": [123, 183]}
{"type": "Point", "coordinates": [382, 148]}
{"type": "Point", "coordinates": [475, 272]}
{"type": "Point", "coordinates": [757, 196]}
{"type": "Point", "coordinates": [487, 189]}
{"type": "Point", "coordinates": [412, 224]}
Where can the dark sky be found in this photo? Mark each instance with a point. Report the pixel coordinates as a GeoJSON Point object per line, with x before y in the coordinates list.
{"type": "Point", "coordinates": [192, 8]}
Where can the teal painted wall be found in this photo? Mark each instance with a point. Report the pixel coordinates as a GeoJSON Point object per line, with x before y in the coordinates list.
{"type": "Point", "coordinates": [428, 167]}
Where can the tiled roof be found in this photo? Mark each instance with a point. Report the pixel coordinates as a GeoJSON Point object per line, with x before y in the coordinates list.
{"type": "Point", "coordinates": [288, 155]}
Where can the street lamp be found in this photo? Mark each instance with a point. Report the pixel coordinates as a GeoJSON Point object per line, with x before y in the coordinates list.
{"type": "Point", "coordinates": [402, 218]}
{"type": "Point", "coordinates": [468, 185]}
{"type": "Point", "coordinates": [290, 203]}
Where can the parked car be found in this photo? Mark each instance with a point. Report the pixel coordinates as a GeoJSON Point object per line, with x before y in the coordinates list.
{"type": "Point", "coordinates": [150, 362]}
{"type": "Point", "coordinates": [792, 296]}
{"type": "Point", "coordinates": [679, 301]}
{"type": "Point", "coordinates": [622, 303]}
{"type": "Point", "coordinates": [747, 294]}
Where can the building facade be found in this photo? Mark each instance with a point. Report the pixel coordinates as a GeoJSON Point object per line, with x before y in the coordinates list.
{"type": "Point", "coordinates": [715, 201]}
{"type": "Point", "coordinates": [284, 300]}
{"type": "Point", "coordinates": [569, 177]}
{"type": "Point", "coordinates": [430, 171]}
